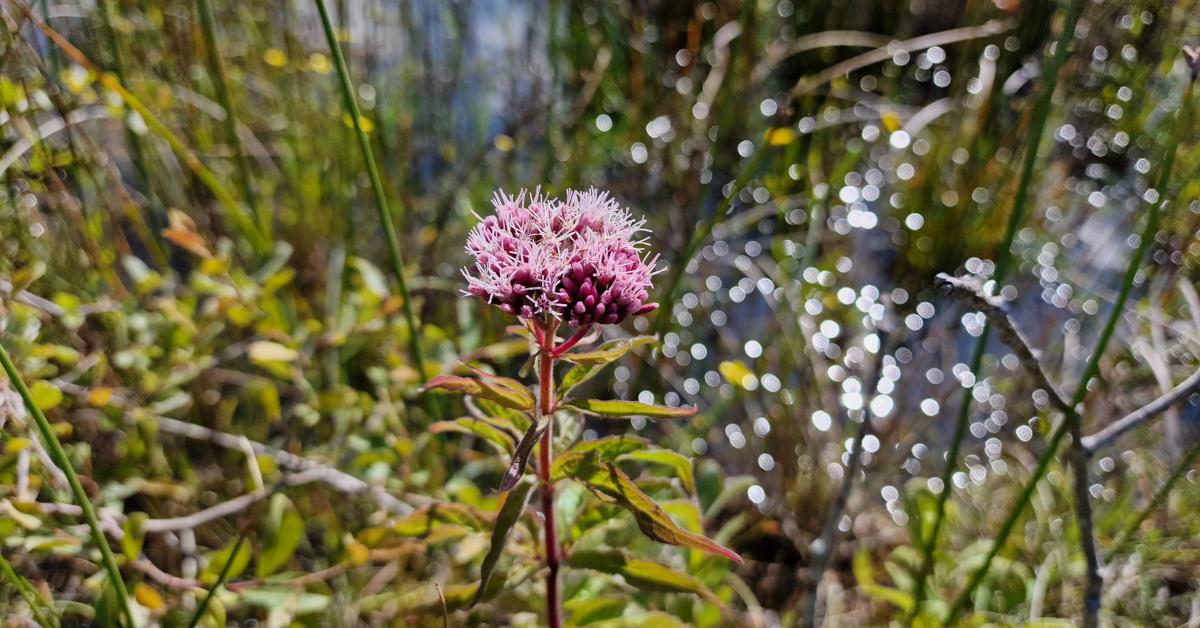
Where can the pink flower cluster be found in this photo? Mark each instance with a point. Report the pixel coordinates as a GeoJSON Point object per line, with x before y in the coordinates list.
{"type": "Point", "coordinates": [577, 260]}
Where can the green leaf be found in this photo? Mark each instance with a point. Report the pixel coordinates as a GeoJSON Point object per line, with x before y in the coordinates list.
{"type": "Point", "coordinates": [606, 449]}
{"type": "Point", "coordinates": [507, 392]}
{"type": "Point", "coordinates": [608, 482]}
{"type": "Point", "coordinates": [578, 374]}
{"type": "Point", "coordinates": [427, 518]}
{"type": "Point", "coordinates": [520, 456]}
{"type": "Point", "coordinates": [493, 432]}
{"type": "Point", "coordinates": [45, 395]}
{"type": "Point", "coordinates": [639, 573]}
{"type": "Point", "coordinates": [216, 563]}
{"type": "Point", "coordinates": [864, 573]}
{"type": "Point", "coordinates": [490, 408]}
{"type": "Point", "coordinates": [590, 610]}
{"type": "Point", "coordinates": [679, 462]}
{"type": "Point", "coordinates": [135, 534]}
{"type": "Point", "coordinates": [285, 529]}
{"type": "Point", "coordinates": [609, 351]}
{"type": "Point", "coordinates": [293, 600]}
{"type": "Point", "coordinates": [510, 512]}
{"type": "Point", "coordinates": [613, 408]}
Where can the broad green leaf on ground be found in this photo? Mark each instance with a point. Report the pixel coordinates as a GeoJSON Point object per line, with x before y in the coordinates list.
{"type": "Point", "coordinates": [283, 533]}
{"type": "Point", "coordinates": [45, 395]}
{"type": "Point", "coordinates": [293, 600]}
{"type": "Point", "coordinates": [608, 352]}
{"type": "Point", "coordinates": [681, 464]}
{"type": "Point", "coordinates": [606, 449]}
{"type": "Point", "coordinates": [607, 481]}
{"type": "Point", "coordinates": [612, 408]}
{"type": "Point", "coordinates": [217, 562]}
{"type": "Point", "coordinates": [134, 535]}
{"type": "Point", "coordinates": [510, 512]}
{"type": "Point", "coordinates": [491, 430]}
{"type": "Point", "coordinates": [497, 389]}
{"type": "Point", "coordinates": [864, 573]}
{"type": "Point", "coordinates": [520, 457]}
{"type": "Point", "coordinates": [639, 573]}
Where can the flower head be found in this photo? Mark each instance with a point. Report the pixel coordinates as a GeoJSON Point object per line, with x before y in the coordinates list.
{"type": "Point", "coordinates": [577, 260]}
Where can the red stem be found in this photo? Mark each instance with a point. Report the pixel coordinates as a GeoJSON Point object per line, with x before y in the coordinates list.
{"type": "Point", "coordinates": [545, 458]}
{"type": "Point", "coordinates": [572, 341]}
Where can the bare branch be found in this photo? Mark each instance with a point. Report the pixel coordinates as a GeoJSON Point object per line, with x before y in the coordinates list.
{"type": "Point", "coordinates": [1143, 414]}
{"type": "Point", "coordinates": [339, 480]}
{"type": "Point", "coordinates": [970, 291]}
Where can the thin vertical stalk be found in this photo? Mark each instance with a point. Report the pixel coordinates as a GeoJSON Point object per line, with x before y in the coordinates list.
{"type": "Point", "coordinates": [545, 459]}
{"type": "Point", "coordinates": [381, 203]}
{"type": "Point", "coordinates": [108, 14]}
{"type": "Point", "coordinates": [225, 569]}
{"type": "Point", "coordinates": [221, 84]}
{"type": "Point", "coordinates": [1093, 581]}
{"type": "Point", "coordinates": [1093, 365]}
{"type": "Point", "coordinates": [829, 535]}
{"type": "Point", "coordinates": [1041, 114]}
{"type": "Point", "coordinates": [59, 456]}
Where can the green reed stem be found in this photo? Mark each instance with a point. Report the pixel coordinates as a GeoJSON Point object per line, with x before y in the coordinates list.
{"type": "Point", "coordinates": [221, 83]}
{"type": "Point", "coordinates": [108, 14]}
{"type": "Point", "coordinates": [1041, 114]}
{"type": "Point", "coordinates": [59, 456]}
{"type": "Point", "coordinates": [234, 211]}
{"type": "Point", "coordinates": [700, 236]}
{"type": "Point", "coordinates": [381, 202]}
{"type": "Point", "coordinates": [221, 577]}
{"type": "Point", "coordinates": [1093, 365]}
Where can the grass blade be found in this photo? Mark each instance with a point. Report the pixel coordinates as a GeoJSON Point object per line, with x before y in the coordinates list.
{"type": "Point", "coordinates": [59, 456]}
{"type": "Point", "coordinates": [35, 602]}
{"type": "Point", "coordinates": [381, 202]}
{"type": "Point", "coordinates": [203, 607]}
{"type": "Point", "coordinates": [1041, 113]}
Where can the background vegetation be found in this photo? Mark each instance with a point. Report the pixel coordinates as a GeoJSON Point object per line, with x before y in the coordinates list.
{"type": "Point", "coordinates": [196, 286]}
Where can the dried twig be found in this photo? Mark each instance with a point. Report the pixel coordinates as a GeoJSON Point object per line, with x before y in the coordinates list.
{"type": "Point", "coordinates": [339, 480]}
{"type": "Point", "coordinates": [970, 290]}
{"type": "Point", "coordinates": [1143, 414]}
{"type": "Point", "coordinates": [828, 540]}
{"type": "Point", "coordinates": [994, 308]}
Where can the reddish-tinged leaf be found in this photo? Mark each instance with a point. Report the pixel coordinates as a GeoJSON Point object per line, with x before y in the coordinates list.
{"type": "Point", "coordinates": [607, 481]}
{"type": "Point", "coordinates": [516, 468]}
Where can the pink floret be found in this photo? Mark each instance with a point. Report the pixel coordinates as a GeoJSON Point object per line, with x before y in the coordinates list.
{"type": "Point", "coordinates": [579, 261]}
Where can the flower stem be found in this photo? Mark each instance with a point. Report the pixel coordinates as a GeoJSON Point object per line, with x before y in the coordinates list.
{"type": "Point", "coordinates": [567, 344]}
{"type": "Point", "coordinates": [545, 458]}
